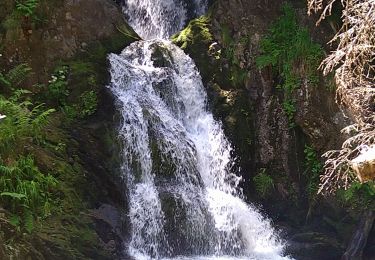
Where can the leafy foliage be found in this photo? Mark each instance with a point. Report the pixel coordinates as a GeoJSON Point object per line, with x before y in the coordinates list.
{"type": "Point", "coordinates": [86, 103]}
{"type": "Point", "coordinates": [58, 85]}
{"type": "Point", "coordinates": [27, 7]}
{"type": "Point", "coordinates": [89, 103]}
{"type": "Point", "coordinates": [15, 76]}
{"type": "Point", "coordinates": [23, 122]}
{"type": "Point", "coordinates": [289, 50]}
{"type": "Point", "coordinates": [263, 183]}
{"type": "Point", "coordinates": [26, 192]}
{"type": "Point", "coordinates": [358, 195]}
{"type": "Point", "coordinates": [23, 15]}
{"type": "Point", "coordinates": [18, 74]}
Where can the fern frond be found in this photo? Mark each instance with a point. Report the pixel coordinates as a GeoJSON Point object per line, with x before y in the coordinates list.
{"type": "Point", "coordinates": [4, 81]}
{"type": "Point", "coordinates": [28, 221]}
{"type": "Point", "coordinates": [18, 74]}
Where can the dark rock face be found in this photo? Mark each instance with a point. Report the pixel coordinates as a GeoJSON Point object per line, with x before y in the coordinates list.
{"type": "Point", "coordinates": [100, 152]}
{"type": "Point", "coordinates": [312, 246]}
{"type": "Point", "coordinates": [72, 25]}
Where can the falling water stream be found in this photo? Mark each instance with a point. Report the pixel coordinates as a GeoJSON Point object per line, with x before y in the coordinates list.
{"type": "Point", "coordinates": [184, 200]}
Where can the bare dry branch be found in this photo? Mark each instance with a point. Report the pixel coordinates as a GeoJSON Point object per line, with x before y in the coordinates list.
{"type": "Point", "coordinates": [353, 62]}
{"type": "Point", "coordinates": [337, 169]}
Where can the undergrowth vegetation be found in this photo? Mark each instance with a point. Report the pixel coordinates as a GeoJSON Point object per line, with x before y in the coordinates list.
{"type": "Point", "coordinates": [59, 93]}
{"type": "Point", "coordinates": [358, 196]}
{"type": "Point", "coordinates": [24, 190]}
{"type": "Point", "coordinates": [24, 14]}
{"type": "Point", "coordinates": [294, 58]}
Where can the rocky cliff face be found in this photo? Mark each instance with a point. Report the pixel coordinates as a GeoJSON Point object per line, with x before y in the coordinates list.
{"type": "Point", "coordinates": [225, 46]}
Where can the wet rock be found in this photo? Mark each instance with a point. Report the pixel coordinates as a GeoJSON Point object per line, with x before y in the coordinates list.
{"type": "Point", "coordinates": [185, 237]}
{"type": "Point", "coordinates": [109, 226]}
{"type": "Point", "coordinates": [312, 246]}
{"type": "Point", "coordinates": [161, 56]}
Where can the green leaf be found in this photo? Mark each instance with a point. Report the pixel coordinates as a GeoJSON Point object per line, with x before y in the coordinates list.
{"type": "Point", "coordinates": [15, 220]}
{"type": "Point", "coordinates": [13, 195]}
{"type": "Point", "coordinates": [28, 221]}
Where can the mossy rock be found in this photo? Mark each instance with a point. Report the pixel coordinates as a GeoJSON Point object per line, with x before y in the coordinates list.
{"type": "Point", "coordinates": [195, 40]}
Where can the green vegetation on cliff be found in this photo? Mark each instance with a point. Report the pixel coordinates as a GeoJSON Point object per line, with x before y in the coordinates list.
{"type": "Point", "coordinates": [264, 184]}
{"type": "Point", "coordinates": [294, 58]}
{"type": "Point", "coordinates": [314, 169]}
{"type": "Point", "coordinates": [24, 190]}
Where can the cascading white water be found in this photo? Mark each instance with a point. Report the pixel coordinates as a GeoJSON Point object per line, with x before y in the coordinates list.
{"type": "Point", "coordinates": [184, 201]}
{"type": "Point", "coordinates": [161, 18]}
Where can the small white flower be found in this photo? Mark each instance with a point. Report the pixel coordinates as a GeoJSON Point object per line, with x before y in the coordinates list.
{"type": "Point", "coordinates": [2, 116]}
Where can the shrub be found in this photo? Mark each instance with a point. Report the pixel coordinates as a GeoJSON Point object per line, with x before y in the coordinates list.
{"type": "Point", "coordinates": [263, 183]}
{"type": "Point", "coordinates": [89, 103]}
{"type": "Point", "coordinates": [58, 86]}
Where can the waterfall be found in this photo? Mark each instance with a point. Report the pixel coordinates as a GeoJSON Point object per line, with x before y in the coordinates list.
{"type": "Point", "coordinates": [184, 200]}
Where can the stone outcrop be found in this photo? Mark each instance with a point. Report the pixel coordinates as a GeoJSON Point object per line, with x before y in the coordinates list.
{"type": "Point", "coordinates": [70, 27]}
